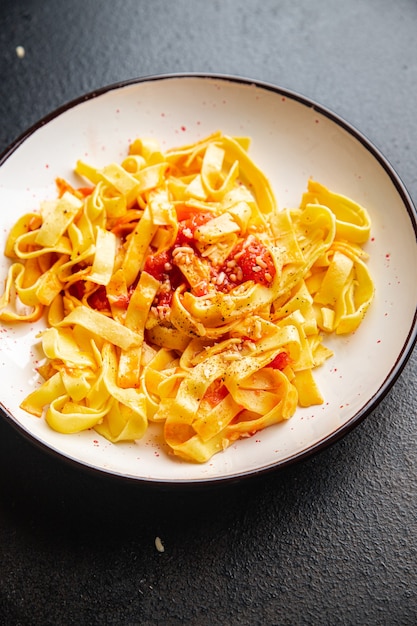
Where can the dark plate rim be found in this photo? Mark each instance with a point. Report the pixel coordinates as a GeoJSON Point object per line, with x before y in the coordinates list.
{"type": "Point", "coordinates": [371, 403]}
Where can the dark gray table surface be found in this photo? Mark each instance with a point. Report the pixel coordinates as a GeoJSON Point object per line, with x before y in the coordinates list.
{"type": "Point", "coordinates": [332, 540]}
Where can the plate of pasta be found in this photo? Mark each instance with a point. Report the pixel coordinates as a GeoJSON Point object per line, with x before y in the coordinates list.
{"type": "Point", "coordinates": [202, 278]}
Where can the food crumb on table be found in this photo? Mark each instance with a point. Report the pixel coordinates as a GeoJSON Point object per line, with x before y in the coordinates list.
{"type": "Point", "coordinates": [159, 545]}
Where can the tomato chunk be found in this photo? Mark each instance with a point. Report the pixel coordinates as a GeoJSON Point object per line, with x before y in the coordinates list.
{"type": "Point", "coordinates": [98, 300]}
{"type": "Point", "coordinates": [281, 361]}
{"type": "Point", "coordinates": [77, 289]}
{"type": "Point", "coordinates": [255, 261]}
{"type": "Point", "coordinates": [250, 260]}
{"type": "Point", "coordinates": [187, 227]}
{"type": "Point", "coordinates": [216, 392]}
{"type": "Point", "coordinates": [158, 265]}
{"type": "Point", "coordinates": [164, 297]}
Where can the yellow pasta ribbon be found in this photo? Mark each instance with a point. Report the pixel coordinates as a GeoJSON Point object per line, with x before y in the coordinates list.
{"type": "Point", "coordinates": [103, 326]}
{"type": "Point", "coordinates": [103, 264]}
{"type": "Point", "coordinates": [352, 220]}
{"type": "Point", "coordinates": [57, 220]}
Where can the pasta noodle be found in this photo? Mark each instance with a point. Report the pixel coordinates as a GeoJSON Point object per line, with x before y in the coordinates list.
{"type": "Point", "coordinates": [176, 292]}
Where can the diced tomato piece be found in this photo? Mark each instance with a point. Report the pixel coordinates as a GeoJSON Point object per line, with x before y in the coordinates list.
{"type": "Point", "coordinates": [77, 289]}
{"type": "Point", "coordinates": [281, 361]}
{"type": "Point", "coordinates": [122, 301]}
{"type": "Point", "coordinates": [98, 300]}
{"type": "Point", "coordinates": [170, 276]}
{"type": "Point", "coordinates": [63, 186]}
{"type": "Point", "coordinates": [221, 279]}
{"type": "Point", "coordinates": [216, 392]}
{"type": "Point", "coordinates": [85, 191]}
{"type": "Point", "coordinates": [255, 261]}
{"type": "Point", "coordinates": [164, 298]}
{"type": "Point", "coordinates": [201, 289]}
{"type": "Point", "coordinates": [158, 265]}
{"type": "Point", "coordinates": [187, 227]}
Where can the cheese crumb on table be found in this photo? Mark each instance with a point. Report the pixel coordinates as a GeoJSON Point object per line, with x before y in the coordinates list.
{"type": "Point", "coordinates": [159, 545]}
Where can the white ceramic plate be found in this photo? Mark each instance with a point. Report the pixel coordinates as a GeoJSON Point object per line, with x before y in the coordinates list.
{"type": "Point", "coordinates": [292, 139]}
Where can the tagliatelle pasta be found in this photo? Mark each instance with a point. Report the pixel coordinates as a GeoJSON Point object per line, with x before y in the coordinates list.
{"type": "Point", "coordinates": [176, 292]}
